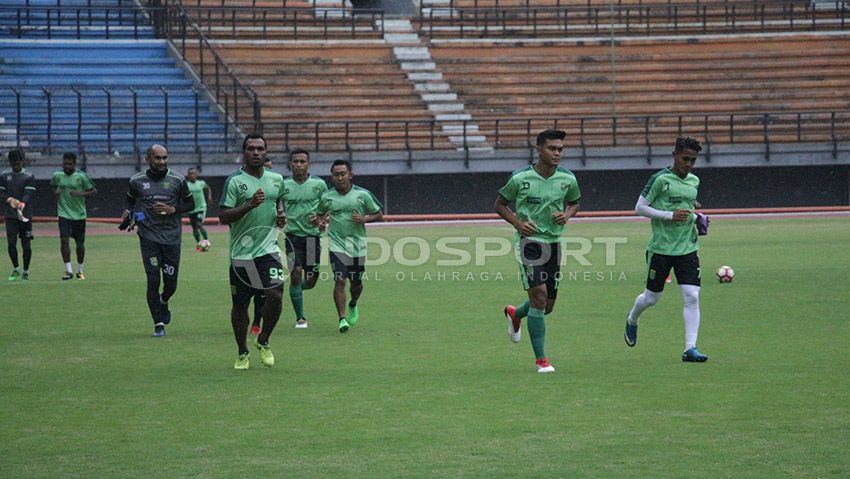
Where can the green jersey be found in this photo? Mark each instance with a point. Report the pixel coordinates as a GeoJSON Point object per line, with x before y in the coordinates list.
{"type": "Point", "coordinates": [537, 199]}
{"type": "Point", "coordinates": [345, 235]}
{"type": "Point", "coordinates": [301, 200]}
{"type": "Point", "coordinates": [666, 191]}
{"type": "Point", "coordinates": [197, 189]}
{"type": "Point", "coordinates": [255, 234]}
{"type": "Point", "coordinates": [71, 207]}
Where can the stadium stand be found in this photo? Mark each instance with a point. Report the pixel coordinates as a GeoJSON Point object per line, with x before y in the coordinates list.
{"type": "Point", "coordinates": [335, 78]}
{"type": "Point", "coordinates": [80, 19]}
{"type": "Point", "coordinates": [557, 19]}
{"type": "Point", "coordinates": [89, 81]}
{"type": "Point", "coordinates": [314, 87]}
{"type": "Point", "coordinates": [104, 97]}
{"type": "Point", "coordinates": [650, 81]}
{"type": "Point", "coordinates": [249, 20]}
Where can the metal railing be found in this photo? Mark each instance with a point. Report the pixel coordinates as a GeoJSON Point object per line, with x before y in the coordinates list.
{"type": "Point", "coordinates": [89, 3]}
{"type": "Point", "coordinates": [339, 4]}
{"type": "Point", "coordinates": [264, 23]}
{"type": "Point", "coordinates": [582, 132]}
{"type": "Point", "coordinates": [76, 22]}
{"type": "Point", "coordinates": [199, 55]}
{"type": "Point", "coordinates": [105, 120]}
{"type": "Point", "coordinates": [646, 19]}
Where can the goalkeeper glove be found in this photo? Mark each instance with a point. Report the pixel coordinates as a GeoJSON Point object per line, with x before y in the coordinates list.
{"type": "Point", "coordinates": [702, 224]}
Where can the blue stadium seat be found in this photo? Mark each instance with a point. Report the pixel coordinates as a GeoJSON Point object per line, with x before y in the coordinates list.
{"type": "Point", "coordinates": [60, 89]}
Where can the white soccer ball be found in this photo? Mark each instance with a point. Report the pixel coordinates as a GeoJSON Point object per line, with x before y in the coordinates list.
{"type": "Point", "coordinates": [725, 274]}
{"type": "Point", "coordinates": [204, 245]}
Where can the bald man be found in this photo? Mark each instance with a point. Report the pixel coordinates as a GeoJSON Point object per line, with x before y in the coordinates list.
{"type": "Point", "coordinates": [157, 198]}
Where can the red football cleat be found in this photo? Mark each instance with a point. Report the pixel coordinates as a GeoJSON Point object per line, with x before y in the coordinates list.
{"type": "Point", "coordinates": [543, 366]}
{"type": "Point", "coordinates": [514, 323]}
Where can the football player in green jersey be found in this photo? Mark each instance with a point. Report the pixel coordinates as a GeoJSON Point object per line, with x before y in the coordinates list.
{"type": "Point", "coordinates": [202, 194]}
{"type": "Point", "coordinates": [301, 194]}
{"type": "Point", "coordinates": [349, 208]}
{"type": "Point", "coordinates": [72, 187]}
{"type": "Point", "coordinates": [669, 199]}
{"type": "Point", "coordinates": [546, 196]}
{"type": "Point", "coordinates": [250, 206]}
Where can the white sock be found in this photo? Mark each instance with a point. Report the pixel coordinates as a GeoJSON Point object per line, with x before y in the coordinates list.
{"type": "Point", "coordinates": [690, 298]}
{"type": "Point", "coordinates": [79, 267]}
{"type": "Point", "coordinates": [644, 300]}
{"type": "Point", "coordinates": [68, 268]}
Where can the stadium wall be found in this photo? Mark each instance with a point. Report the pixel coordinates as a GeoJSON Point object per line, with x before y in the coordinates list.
{"type": "Point", "coordinates": [601, 190]}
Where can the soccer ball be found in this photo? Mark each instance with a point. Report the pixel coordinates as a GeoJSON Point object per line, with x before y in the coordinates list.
{"type": "Point", "coordinates": [204, 245]}
{"type": "Point", "coordinates": [725, 274]}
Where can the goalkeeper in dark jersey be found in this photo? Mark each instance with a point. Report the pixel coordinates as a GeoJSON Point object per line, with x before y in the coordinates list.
{"type": "Point", "coordinates": [157, 198]}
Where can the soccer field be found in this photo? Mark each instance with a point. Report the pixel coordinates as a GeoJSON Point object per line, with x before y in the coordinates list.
{"type": "Point", "coordinates": [427, 384]}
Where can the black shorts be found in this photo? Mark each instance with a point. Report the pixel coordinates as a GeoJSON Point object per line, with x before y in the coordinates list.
{"type": "Point", "coordinates": [17, 228]}
{"type": "Point", "coordinates": [346, 267]}
{"type": "Point", "coordinates": [158, 256]}
{"type": "Point", "coordinates": [248, 277]}
{"type": "Point", "coordinates": [685, 266]}
{"type": "Point", "coordinates": [304, 251]}
{"type": "Point", "coordinates": [539, 263]}
{"type": "Point", "coordinates": [72, 229]}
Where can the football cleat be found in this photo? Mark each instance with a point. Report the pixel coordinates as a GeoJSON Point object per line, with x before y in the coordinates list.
{"type": "Point", "coordinates": [301, 323]}
{"type": "Point", "coordinates": [14, 276]}
{"type": "Point", "coordinates": [25, 276]}
{"type": "Point", "coordinates": [255, 329]}
{"type": "Point", "coordinates": [631, 333]}
{"type": "Point", "coordinates": [266, 355]}
{"type": "Point", "coordinates": [81, 276]}
{"type": "Point", "coordinates": [67, 276]}
{"type": "Point", "coordinates": [694, 356]}
{"type": "Point", "coordinates": [243, 361]}
{"type": "Point", "coordinates": [165, 316]}
{"type": "Point", "coordinates": [514, 324]}
{"type": "Point", "coordinates": [543, 366]}
{"type": "Point", "coordinates": [353, 315]}
{"type": "Point", "coordinates": [343, 325]}
{"type": "Point", "coordinates": [158, 330]}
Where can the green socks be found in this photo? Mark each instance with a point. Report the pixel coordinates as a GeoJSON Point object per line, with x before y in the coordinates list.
{"type": "Point", "coordinates": [297, 297]}
{"type": "Point", "coordinates": [522, 310]}
{"type": "Point", "coordinates": [536, 331]}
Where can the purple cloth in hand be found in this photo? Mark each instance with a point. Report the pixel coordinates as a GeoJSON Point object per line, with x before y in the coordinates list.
{"type": "Point", "coordinates": [702, 224]}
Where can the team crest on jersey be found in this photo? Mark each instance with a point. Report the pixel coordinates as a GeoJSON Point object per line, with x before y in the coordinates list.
{"type": "Point", "coordinates": [361, 201]}
{"type": "Point", "coordinates": [318, 189]}
{"type": "Point", "coordinates": [564, 186]}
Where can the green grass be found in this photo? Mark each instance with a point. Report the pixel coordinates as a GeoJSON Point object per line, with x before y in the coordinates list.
{"type": "Point", "coordinates": [427, 384]}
